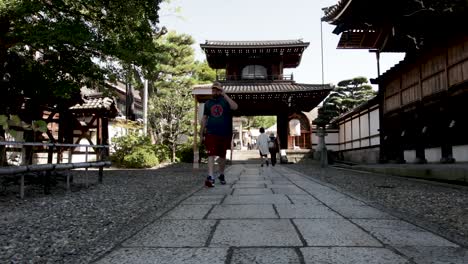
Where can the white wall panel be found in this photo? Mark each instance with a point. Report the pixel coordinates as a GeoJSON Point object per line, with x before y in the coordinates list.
{"type": "Point", "coordinates": [460, 153]}
{"type": "Point", "coordinates": [348, 131]}
{"type": "Point", "coordinates": [433, 154]}
{"type": "Point", "coordinates": [374, 122]}
{"type": "Point", "coordinates": [355, 126]}
{"type": "Point", "coordinates": [364, 119]}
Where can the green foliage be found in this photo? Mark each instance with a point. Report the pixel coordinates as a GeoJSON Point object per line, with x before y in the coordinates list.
{"type": "Point", "coordinates": [185, 153]}
{"type": "Point", "coordinates": [62, 45]}
{"type": "Point", "coordinates": [170, 111]}
{"type": "Point", "coordinates": [12, 124]}
{"type": "Point", "coordinates": [203, 73]}
{"type": "Point", "coordinates": [345, 97]}
{"type": "Point", "coordinates": [258, 121]}
{"type": "Point", "coordinates": [140, 157]}
{"type": "Point", "coordinates": [163, 153]}
{"type": "Point", "coordinates": [124, 146]}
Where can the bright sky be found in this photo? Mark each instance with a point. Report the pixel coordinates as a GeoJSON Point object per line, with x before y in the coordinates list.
{"type": "Point", "coordinates": [276, 20]}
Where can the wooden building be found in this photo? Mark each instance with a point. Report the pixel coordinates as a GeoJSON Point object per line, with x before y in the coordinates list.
{"type": "Point", "coordinates": [255, 79]}
{"type": "Point", "coordinates": [423, 98]}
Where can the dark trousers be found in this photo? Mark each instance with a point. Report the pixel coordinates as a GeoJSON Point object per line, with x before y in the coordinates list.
{"type": "Point", "coordinates": [273, 156]}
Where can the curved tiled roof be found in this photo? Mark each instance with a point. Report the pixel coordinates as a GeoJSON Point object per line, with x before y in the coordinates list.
{"type": "Point", "coordinates": [272, 87]}
{"type": "Point", "coordinates": [333, 12]}
{"type": "Point", "coordinates": [253, 43]}
{"type": "Point", "coordinates": [95, 103]}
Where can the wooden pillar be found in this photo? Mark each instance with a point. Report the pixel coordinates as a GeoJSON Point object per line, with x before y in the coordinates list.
{"type": "Point", "coordinates": [196, 153]}
{"type": "Point", "coordinates": [104, 152]}
{"type": "Point", "coordinates": [282, 130]}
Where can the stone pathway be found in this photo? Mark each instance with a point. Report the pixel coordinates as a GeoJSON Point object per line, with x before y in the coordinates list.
{"type": "Point", "coordinates": [275, 215]}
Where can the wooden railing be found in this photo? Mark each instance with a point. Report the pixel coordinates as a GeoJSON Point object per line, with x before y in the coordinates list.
{"type": "Point", "coordinates": [100, 151]}
{"type": "Point", "coordinates": [278, 77]}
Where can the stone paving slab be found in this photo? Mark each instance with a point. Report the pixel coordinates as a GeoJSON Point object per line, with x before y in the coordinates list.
{"type": "Point", "coordinates": [400, 233]}
{"type": "Point", "coordinates": [259, 233]}
{"type": "Point", "coordinates": [265, 256]}
{"type": "Point", "coordinates": [274, 215]}
{"type": "Point", "coordinates": [242, 211]}
{"type": "Point", "coordinates": [338, 200]}
{"type": "Point", "coordinates": [288, 190]}
{"type": "Point", "coordinates": [334, 232]}
{"type": "Point", "coordinates": [305, 211]}
{"type": "Point", "coordinates": [423, 255]}
{"type": "Point", "coordinates": [204, 199]}
{"type": "Point", "coordinates": [249, 185]}
{"type": "Point", "coordinates": [252, 178]}
{"type": "Point", "coordinates": [351, 255]}
{"type": "Point", "coordinates": [173, 233]}
{"type": "Point", "coordinates": [166, 256]}
{"type": "Point", "coordinates": [265, 182]}
{"type": "Point", "coordinates": [281, 185]}
{"type": "Point", "coordinates": [218, 190]}
{"type": "Point", "coordinates": [252, 191]}
{"type": "Point", "coordinates": [303, 199]}
{"type": "Point", "coordinates": [358, 211]}
{"type": "Point", "coordinates": [257, 199]}
{"type": "Point", "coordinates": [189, 211]}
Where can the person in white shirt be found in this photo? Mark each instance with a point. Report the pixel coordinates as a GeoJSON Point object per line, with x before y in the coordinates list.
{"type": "Point", "coordinates": [262, 144]}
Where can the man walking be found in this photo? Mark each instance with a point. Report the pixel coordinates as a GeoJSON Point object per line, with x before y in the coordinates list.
{"type": "Point", "coordinates": [262, 143]}
{"type": "Point", "coordinates": [216, 131]}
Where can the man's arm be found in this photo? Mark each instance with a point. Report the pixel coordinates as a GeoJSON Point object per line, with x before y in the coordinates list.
{"type": "Point", "coordinates": [202, 126]}
{"type": "Point", "coordinates": [233, 105]}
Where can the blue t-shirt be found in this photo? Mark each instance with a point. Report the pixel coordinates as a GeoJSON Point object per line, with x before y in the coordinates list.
{"type": "Point", "coordinates": [219, 117]}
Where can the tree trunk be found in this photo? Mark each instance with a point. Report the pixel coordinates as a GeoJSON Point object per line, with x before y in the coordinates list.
{"type": "Point", "coordinates": [173, 151]}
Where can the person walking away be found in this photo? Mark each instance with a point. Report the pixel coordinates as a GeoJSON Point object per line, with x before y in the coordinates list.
{"type": "Point", "coordinates": [216, 130]}
{"type": "Point", "coordinates": [262, 144]}
{"type": "Point", "coordinates": [273, 148]}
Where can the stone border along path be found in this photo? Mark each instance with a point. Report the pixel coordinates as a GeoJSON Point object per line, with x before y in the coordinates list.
{"type": "Point", "coordinates": [276, 215]}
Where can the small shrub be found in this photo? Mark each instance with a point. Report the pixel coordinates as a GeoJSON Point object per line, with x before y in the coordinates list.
{"type": "Point", "coordinates": [140, 157]}
{"type": "Point", "coordinates": [163, 153]}
{"type": "Point", "coordinates": [185, 154]}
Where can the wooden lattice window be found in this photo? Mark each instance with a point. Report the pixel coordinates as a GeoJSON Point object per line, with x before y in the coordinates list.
{"type": "Point", "coordinates": [254, 72]}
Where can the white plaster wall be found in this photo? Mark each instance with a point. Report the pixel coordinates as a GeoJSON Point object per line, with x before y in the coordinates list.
{"type": "Point", "coordinates": [342, 135]}
{"type": "Point", "coordinates": [364, 119]}
{"type": "Point", "coordinates": [374, 122]}
{"type": "Point", "coordinates": [356, 144]}
{"type": "Point", "coordinates": [333, 148]}
{"type": "Point", "coordinates": [330, 138]}
{"type": "Point", "coordinates": [409, 155]}
{"type": "Point", "coordinates": [365, 143]}
{"type": "Point", "coordinates": [433, 154]}
{"type": "Point", "coordinates": [460, 153]}
{"type": "Point", "coordinates": [355, 125]}
{"type": "Point", "coordinates": [348, 131]}
{"type": "Point", "coordinates": [375, 141]}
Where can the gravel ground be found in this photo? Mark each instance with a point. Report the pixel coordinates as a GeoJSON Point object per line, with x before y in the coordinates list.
{"type": "Point", "coordinates": [78, 226]}
{"type": "Point", "coordinates": [439, 207]}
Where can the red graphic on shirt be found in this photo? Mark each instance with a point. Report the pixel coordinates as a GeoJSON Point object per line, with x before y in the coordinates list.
{"type": "Point", "coordinates": [217, 110]}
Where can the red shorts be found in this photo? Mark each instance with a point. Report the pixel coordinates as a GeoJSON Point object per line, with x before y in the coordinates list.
{"type": "Point", "coordinates": [217, 145]}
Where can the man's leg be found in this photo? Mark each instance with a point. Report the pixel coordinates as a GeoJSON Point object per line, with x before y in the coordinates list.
{"type": "Point", "coordinates": [211, 161]}
{"type": "Point", "coordinates": [221, 164]}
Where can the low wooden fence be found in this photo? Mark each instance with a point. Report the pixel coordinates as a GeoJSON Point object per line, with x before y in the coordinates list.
{"type": "Point", "coordinates": [100, 152]}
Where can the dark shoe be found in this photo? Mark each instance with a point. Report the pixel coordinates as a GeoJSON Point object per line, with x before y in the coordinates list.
{"type": "Point", "coordinates": [261, 165]}
{"type": "Point", "coordinates": [222, 180]}
{"type": "Point", "coordinates": [209, 182]}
